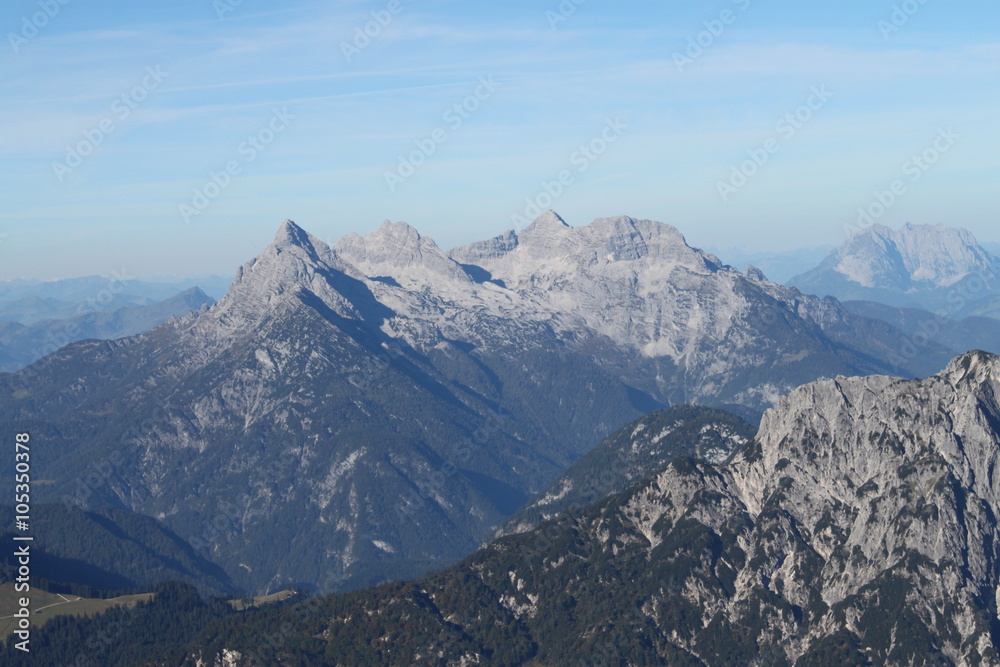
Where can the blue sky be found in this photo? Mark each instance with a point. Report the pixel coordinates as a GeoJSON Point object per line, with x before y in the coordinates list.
{"type": "Point", "coordinates": [164, 96]}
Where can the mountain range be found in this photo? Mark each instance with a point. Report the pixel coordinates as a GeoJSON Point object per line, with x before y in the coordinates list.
{"type": "Point", "coordinates": [857, 527]}
{"type": "Point", "coordinates": [941, 269]}
{"type": "Point", "coordinates": [378, 409]}
{"type": "Point", "coordinates": [22, 344]}
{"type": "Point", "coordinates": [29, 301]}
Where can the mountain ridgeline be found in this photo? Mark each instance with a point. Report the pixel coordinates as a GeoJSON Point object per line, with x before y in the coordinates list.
{"type": "Point", "coordinates": [858, 527]}
{"type": "Point", "coordinates": [22, 344]}
{"type": "Point", "coordinates": [636, 450]}
{"type": "Point", "coordinates": [378, 409]}
{"type": "Point", "coordinates": [109, 551]}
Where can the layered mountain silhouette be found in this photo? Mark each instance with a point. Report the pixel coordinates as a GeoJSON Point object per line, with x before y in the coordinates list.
{"type": "Point", "coordinates": [21, 344]}
{"type": "Point", "coordinates": [378, 409]}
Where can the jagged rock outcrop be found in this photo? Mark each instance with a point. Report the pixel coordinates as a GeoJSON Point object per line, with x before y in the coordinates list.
{"type": "Point", "coordinates": [397, 250]}
{"type": "Point", "coordinates": [631, 453]}
{"type": "Point", "coordinates": [858, 527]}
{"type": "Point", "coordinates": [374, 410]}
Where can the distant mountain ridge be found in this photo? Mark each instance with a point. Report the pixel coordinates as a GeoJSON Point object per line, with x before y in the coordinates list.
{"type": "Point", "coordinates": [968, 333]}
{"type": "Point", "coordinates": [29, 301]}
{"type": "Point", "coordinates": [939, 268]}
{"type": "Point", "coordinates": [21, 345]}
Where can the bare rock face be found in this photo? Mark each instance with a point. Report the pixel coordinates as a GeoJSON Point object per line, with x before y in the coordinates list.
{"type": "Point", "coordinates": [295, 260]}
{"type": "Point", "coordinates": [639, 284]}
{"type": "Point", "coordinates": [390, 405]}
{"type": "Point", "coordinates": [866, 506]}
{"type": "Point", "coordinates": [633, 452]}
{"type": "Point", "coordinates": [397, 250]}
{"type": "Point", "coordinates": [937, 268]}
{"type": "Point", "coordinates": [912, 255]}
{"type": "Point", "coordinates": [858, 527]}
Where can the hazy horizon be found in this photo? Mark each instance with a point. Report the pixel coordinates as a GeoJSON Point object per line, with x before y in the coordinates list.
{"type": "Point", "coordinates": [729, 254]}
{"type": "Point", "coordinates": [174, 139]}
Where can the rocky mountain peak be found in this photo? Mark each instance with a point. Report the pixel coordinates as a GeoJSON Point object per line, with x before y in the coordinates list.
{"type": "Point", "coordinates": [400, 233]}
{"type": "Point", "coordinates": [754, 274]}
{"type": "Point", "coordinates": [290, 233]}
{"type": "Point", "coordinates": [941, 269]}
{"type": "Point", "coordinates": [631, 239]}
{"type": "Point", "coordinates": [547, 236]}
{"type": "Point", "coordinates": [880, 425]}
{"type": "Point", "coordinates": [295, 260]}
{"type": "Point", "coordinates": [397, 250]}
{"type": "Point", "coordinates": [549, 219]}
{"type": "Point", "coordinates": [973, 368]}
{"type": "Point", "coordinates": [912, 255]}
